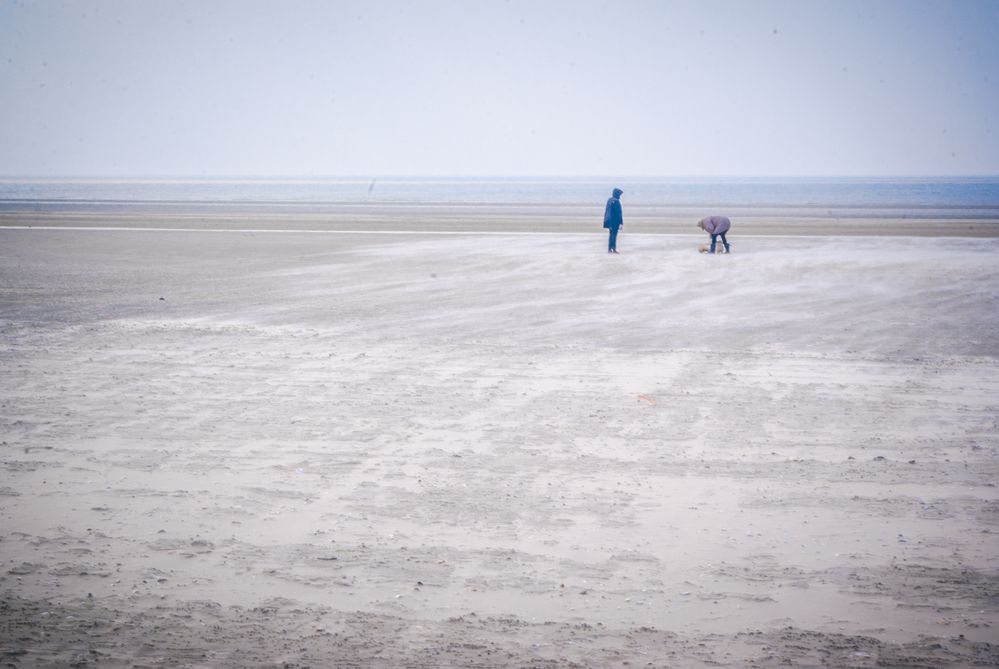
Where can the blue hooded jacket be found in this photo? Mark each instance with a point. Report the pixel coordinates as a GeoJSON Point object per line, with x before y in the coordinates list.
{"type": "Point", "coordinates": [613, 218]}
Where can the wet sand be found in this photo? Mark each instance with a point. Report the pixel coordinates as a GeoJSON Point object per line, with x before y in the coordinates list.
{"type": "Point", "coordinates": [236, 448]}
{"type": "Point", "coordinates": [479, 218]}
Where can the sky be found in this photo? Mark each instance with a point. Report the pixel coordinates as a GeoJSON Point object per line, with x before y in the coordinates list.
{"type": "Point", "coordinates": [300, 88]}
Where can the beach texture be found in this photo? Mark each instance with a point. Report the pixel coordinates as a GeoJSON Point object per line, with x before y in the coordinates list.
{"type": "Point", "coordinates": [252, 449]}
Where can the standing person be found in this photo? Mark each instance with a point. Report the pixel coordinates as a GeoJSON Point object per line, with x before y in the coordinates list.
{"type": "Point", "coordinates": [613, 219]}
{"type": "Point", "coordinates": [716, 226]}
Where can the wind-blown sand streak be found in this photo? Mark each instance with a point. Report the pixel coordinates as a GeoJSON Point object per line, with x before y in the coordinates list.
{"type": "Point", "coordinates": [353, 450]}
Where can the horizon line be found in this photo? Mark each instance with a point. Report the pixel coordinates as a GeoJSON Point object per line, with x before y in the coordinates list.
{"type": "Point", "coordinates": [6, 178]}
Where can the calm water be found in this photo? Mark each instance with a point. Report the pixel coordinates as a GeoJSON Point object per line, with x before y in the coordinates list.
{"type": "Point", "coordinates": [963, 198]}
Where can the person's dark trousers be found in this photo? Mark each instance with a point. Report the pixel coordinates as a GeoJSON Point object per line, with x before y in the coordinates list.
{"type": "Point", "coordinates": [612, 240]}
{"type": "Point", "coordinates": [724, 241]}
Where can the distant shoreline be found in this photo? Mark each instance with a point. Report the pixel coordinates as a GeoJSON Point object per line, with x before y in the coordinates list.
{"type": "Point", "coordinates": [941, 206]}
{"type": "Point", "coordinates": [477, 219]}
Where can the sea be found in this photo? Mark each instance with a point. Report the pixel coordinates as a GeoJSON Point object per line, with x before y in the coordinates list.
{"type": "Point", "coordinates": [957, 198]}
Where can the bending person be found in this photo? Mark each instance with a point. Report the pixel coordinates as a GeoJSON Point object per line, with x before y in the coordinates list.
{"type": "Point", "coordinates": [716, 226]}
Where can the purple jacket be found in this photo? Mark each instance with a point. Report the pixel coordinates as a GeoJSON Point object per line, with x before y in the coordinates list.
{"type": "Point", "coordinates": [715, 225]}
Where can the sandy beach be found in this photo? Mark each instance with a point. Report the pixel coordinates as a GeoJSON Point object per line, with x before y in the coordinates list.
{"type": "Point", "coordinates": [228, 447]}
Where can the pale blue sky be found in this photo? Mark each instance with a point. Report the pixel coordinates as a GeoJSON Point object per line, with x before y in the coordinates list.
{"type": "Point", "coordinates": [203, 88]}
